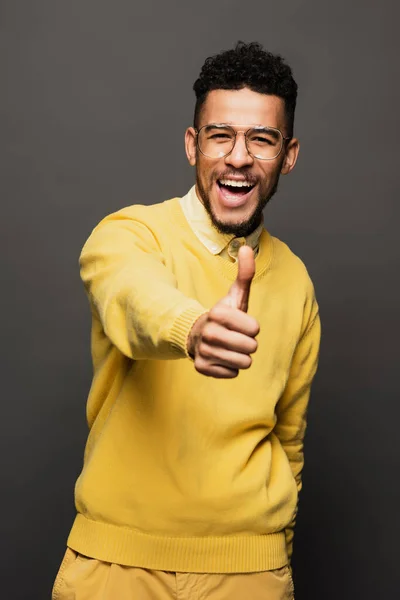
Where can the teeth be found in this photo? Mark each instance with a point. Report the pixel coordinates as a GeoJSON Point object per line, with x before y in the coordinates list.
{"type": "Point", "coordinates": [234, 183]}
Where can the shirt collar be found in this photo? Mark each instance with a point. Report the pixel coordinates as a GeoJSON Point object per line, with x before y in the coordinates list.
{"type": "Point", "coordinates": [204, 230]}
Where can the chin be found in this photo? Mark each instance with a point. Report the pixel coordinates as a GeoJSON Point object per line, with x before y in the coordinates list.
{"type": "Point", "coordinates": [239, 221]}
{"type": "Point", "coordinates": [238, 228]}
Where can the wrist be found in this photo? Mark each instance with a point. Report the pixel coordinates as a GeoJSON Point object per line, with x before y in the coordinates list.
{"type": "Point", "coordinates": [194, 335]}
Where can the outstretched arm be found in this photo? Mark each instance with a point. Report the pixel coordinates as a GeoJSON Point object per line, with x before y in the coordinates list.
{"type": "Point", "coordinates": [133, 293]}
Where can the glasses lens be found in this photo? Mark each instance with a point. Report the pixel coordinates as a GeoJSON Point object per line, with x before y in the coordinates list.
{"type": "Point", "coordinates": [265, 143]}
{"type": "Point", "coordinates": [215, 141]}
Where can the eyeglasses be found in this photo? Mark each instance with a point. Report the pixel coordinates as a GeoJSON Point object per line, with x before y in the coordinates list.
{"type": "Point", "coordinates": [218, 140]}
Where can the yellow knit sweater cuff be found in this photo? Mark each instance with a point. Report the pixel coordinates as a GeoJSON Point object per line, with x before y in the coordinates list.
{"type": "Point", "coordinates": [182, 327]}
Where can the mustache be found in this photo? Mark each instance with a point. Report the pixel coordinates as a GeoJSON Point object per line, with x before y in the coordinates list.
{"type": "Point", "coordinates": [231, 174]}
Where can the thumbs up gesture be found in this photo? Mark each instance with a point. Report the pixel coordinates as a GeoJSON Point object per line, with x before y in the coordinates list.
{"type": "Point", "coordinates": [221, 341]}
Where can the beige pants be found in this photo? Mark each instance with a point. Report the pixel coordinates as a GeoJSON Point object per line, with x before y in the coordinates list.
{"type": "Point", "coordinates": [82, 578]}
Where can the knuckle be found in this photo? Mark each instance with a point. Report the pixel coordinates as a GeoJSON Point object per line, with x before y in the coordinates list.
{"type": "Point", "coordinates": [247, 362]}
{"type": "Point", "coordinates": [201, 368]}
{"type": "Point", "coordinates": [210, 334]}
{"type": "Point", "coordinates": [255, 327]}
{"type": "Point", "coordinates": [216, 313]}
{"type": "Point", "coordinates": [205, 350]}
{"type": "Point", "coordinates": [197, 364]}
{"type": "Point", "coordinates": [213, 313]}
{"type": "Point", "coordinates": [198, 368]}
{"type": "Point", "coordinates": [254, 345]}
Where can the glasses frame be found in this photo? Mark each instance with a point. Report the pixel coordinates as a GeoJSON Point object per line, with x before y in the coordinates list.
{"type": "Point", "coordinates": [245, 132]}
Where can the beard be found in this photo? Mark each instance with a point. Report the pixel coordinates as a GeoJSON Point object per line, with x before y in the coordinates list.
{"type": "Point", "coordinates": [245, 227]}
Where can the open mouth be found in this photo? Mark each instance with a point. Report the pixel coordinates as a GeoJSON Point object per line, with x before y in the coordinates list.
{"type": "Point", "coordinates": [233, 187]}
{"type": "Point", "coordinates": [234, 193]}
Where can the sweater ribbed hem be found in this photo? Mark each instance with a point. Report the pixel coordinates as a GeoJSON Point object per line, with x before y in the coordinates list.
{"type": "Point", "coordinates": [229, 554]}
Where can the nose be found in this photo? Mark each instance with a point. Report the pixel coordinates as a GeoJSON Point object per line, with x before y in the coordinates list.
{"type": "Point", "coordinates": [239, 157]}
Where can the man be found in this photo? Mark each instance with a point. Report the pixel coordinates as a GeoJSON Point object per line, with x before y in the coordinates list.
{"type": "Point", "coordinates": [205, 340]}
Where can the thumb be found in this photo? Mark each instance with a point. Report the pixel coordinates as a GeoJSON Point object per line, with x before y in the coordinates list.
{"type": "Point", "coordinates": [240, 291]}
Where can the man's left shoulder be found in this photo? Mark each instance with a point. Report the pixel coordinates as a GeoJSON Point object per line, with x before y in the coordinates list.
{"type": "Point", "coordinates": [148, 212]}
{"type": "Point", "coordinates": [285, 259]}
{"type": "Point", "coordinates": [298, 283]}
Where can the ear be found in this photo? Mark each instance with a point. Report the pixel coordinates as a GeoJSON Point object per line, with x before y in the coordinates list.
{"type": "Point", "coordinates": [291, 154]}
{"type": "Point", "coordinates": [190, 145]}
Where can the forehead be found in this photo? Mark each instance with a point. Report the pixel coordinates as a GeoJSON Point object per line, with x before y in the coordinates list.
{"type": "Point", "coordinates": [243, 108]}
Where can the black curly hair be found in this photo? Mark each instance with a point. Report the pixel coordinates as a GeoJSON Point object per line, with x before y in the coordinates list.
{"type": "Point", "coordinates": [247, 65]}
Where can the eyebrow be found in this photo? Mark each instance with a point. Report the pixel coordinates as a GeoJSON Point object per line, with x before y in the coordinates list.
{"type": "Point", "coordinates": [271, 130]}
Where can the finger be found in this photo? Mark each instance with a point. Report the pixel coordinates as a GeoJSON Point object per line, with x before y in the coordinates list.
{"type": "Point", "coordinates": [215, 371]}
{"type": "Point", "coordinates": [214, 355]}
{"type": "Point", "coordinates": [221, 337]}
{"type": "Point", "coordinates": [234, 319]}
{"type": "Point", "coordinates": [246, 271]}
{"type": "Point", "coordinates": [240, 291]}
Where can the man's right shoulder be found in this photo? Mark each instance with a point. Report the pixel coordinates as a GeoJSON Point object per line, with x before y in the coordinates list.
{"type": "Point", "coordinates": [143, 212]}
{"type": "Point", "coordinates": [152, 216]}
{"type": "Point", "coordinates": [144, 221]}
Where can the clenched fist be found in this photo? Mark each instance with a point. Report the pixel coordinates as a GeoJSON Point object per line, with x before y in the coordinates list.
{"type": "Point", "coordinates": [221, 341]}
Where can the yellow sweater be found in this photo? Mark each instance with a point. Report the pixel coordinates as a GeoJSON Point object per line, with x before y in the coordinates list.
{"type": "Point", "coordinates": [184, 472]}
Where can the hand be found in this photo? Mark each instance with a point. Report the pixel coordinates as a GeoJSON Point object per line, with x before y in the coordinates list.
{"type": "Point", "coordinates": [222, 340]}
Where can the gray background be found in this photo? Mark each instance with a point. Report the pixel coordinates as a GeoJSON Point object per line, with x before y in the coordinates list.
{"type": "Point", "coordinates": [86, 89]}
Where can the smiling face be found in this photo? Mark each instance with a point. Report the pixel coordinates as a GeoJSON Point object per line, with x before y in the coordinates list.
{"type": "Point", "coordinates": [235, 189]}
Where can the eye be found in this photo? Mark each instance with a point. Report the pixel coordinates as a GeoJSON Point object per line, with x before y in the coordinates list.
{"type": "Point", "coordinates": [260, 139]}
{"type": "Point", "coordinates": [220, 136]}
